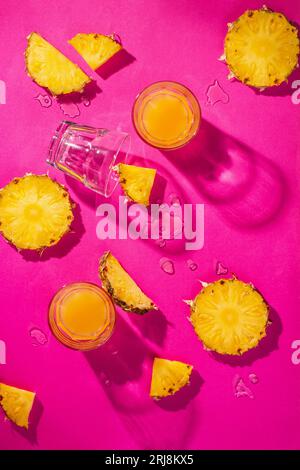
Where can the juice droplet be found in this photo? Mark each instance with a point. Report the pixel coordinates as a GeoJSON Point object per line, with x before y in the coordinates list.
{"type": "Point", "coordinates": [38, 337]}
{"type": "Point", "coordinates": [216, 94]}
{"type": "Point", "coordinates": [70, 109]}
{"type": "Point", "coordinates": [220, 269]}
{"type": "Point", "coordinates": [241, 389]}
{"type": "Point", "coordinates": [191, 265]}
{"type": "Point", "coordinates": [44, 100]}
{"type": "Point", "coordinates": [253, 378]}
{"type": "Point", "coordinates": [167, 265]}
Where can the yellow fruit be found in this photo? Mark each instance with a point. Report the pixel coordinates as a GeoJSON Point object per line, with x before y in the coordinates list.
{"type": "Point", "coordinates": [49, 68]}
{"type": "Point", "coordinates": [35, 212]}
{"type": "Point", "coordinates": [168, 377]}
{"type": "Point", "coordinates": [96, 49]}
{"type": "Point", "coordinates": [136, 182]}
{"type": "Point", "coordinates": [16, 404]}
{"type": "Point", "coordinates": [124, 291]}
{"type": "Point", "coordinates": [229, 316]}
{"type": "Point", "coordinates": [262, 48]}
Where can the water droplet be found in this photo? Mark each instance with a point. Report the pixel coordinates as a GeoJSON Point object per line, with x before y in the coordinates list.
{"type": "Point", "coordinates": [70, 109]}
{"type": "Point", "coordinates": [86, 102]}
{"type": "Point", "coordinates": [38, 337]}
{"type": "Point", "coordinates": [167, 265]}
{"type": "Point", "coordinates": [44, 100]}
{"type": "Point", "coordinates": [253, 378]}
{"type": "Point", "coordinates": [216, 94]}
{"type": "Point", "coordinates": [107, 382]}
{"type": "Point", "coordinates": [174, 200]}
{"type": "Point", "coordinates": [191, 265]}
{"type": "Point", "coordinates": [114, 353]}
{"type": "Point", "coordinates": [241, 389]}
{"type": "Point", "coordinates": [220, 269]}
{"type": "Point", "coordinates": [161, 242]}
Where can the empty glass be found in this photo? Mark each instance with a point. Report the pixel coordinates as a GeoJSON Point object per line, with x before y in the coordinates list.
{"type": "Point", "coordinates": [89, 154]}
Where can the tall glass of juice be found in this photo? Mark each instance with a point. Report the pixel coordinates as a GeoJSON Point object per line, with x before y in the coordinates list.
{"type": "Point", "coordinates": [82, 316]}
{"type": "Point", "coordinates": [166, 115]}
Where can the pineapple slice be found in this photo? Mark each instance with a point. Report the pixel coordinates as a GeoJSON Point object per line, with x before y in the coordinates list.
{"type": "Point", "coordinates": [124, 291]}
{"type": "Point", "coordinates": [136, 182]}
{"type": "Point", "coordinates": [262, 48]}
{"type": "Point", "coordinates": [168, 377]}
{"type": "Point", "coordinates": [229, 316]}
{"type": "Point", "coordinates": [35, 212]}
{"type": "Point", "coordinates": [49, 68]}
{"type": "Point", "coordinates": [96, 49]}
{"type": "Point", "coordinates": [16, 404]}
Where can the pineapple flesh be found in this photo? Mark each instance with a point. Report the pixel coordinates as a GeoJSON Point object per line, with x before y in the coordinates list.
{"type": "Point", "coordinates": [136, 182]}
{"type": "Point", "coordinates": [168, 377]}
{"type": "Point", "coordinates": [50, 69]}
{"type": "Point", "coordinates": [124, 291]}
{"type": "Point", "coordinates": [96, 49]}
{"type": "Point", "coordinates": [35, 212]}
{"type": "Point", "coordinates": [229, 316]}
{"type": "Point", "coordinates": [261, 48]}
{"type": "Point", "coordinates": [16, 404]}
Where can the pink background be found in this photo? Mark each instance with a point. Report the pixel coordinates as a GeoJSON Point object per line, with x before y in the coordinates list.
{"type": "Point", "coordinates": [243, 167]}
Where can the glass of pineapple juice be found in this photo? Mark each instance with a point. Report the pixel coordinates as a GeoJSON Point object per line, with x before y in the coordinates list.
{"type": "Point", "coordinates": [166, 115]}
{"type": "Point", "coordinates": [82, 316]}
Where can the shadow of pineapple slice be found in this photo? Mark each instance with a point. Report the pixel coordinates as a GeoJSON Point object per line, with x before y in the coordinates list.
{"type": "Point", "coordinates": [168, 377]}
{"type": "Point", "coordinates": [96, 49]}
{"type": "Point", "coordinates": [123, 289]}
{"type": "Point", "coordinates": [16, 404]}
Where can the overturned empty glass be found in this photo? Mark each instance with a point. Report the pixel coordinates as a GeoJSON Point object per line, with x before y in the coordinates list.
{"type": "Point", "coordinates": [89, 154]}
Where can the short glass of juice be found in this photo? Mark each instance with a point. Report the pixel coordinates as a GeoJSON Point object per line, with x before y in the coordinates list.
{"type": "Point", "coordinates": [166, 115]}
{"type": "Point", "coordinates": [82, 316]}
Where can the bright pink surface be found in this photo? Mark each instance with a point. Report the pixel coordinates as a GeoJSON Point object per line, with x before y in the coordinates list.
{"type": "Point", "coordinates": [100, 400]}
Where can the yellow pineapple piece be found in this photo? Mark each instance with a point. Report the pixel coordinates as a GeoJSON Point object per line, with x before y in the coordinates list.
{"type": "Point", "coordinates": [16, 404]}
{"type": "Point", "coordinates": [124, 291]}
{"type": "Point", "coordinates": [136, 182]}
{"type": "Point", "coordinates": [96, 49]}
{"type": "Point", "coordinates": [49, 68]}
{"type": "Point", "coordinates": [229, 316]}
{"type": "Point", "coordinates": [168, 377]}
{"type": "Point", "coordinates": [35, 212]}
{"type": "Point", "coordinates": [262, 48]}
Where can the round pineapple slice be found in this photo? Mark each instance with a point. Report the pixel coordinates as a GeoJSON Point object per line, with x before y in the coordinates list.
{"type": "Point", "coordinates": [261, 48]}
{"type": "Point", "coordinates": [35, 212]}
{"type": "Point", "coordinates": [229, 316]}
{"type": "Point", "coordinates": [49, 68]}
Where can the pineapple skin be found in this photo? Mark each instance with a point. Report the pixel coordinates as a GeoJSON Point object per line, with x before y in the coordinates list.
{"type": "Point", "coordinates": [42, 248]}
{"type": "Point", "coordinates": [75, 90]}
{"type": "Point", "coordinates": [104, 276]}
{"type": "Point", "coordinates": [241, 351]}
{"type": "Point", "coordinates": [234, 73]}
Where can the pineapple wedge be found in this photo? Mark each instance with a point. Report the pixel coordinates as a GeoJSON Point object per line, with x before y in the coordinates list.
{"type": "Point", "coordinates": [96, 49]}
{"type": "Point", "coordinates": [16, 404]}
{"type": "Point", "coordinates": [49, 68]}
{"type": "Point", "coordinates": [136, 182]}
{"type": "Point", "coordinates": [261, 48]}
{"type": "Point", "coordinates": [229, 316]}
{"type": "Point", "coordinates": [124, 291]}
{"type": "Point", "coordinates": [35, 212]}
{"type": "Point", "coordinates": [168, 377]}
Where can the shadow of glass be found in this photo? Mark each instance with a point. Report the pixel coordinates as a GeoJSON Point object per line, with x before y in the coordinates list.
{"type": "Point", "coordinates": [266, 346]}
{"type": "Point", "coordinates": [116, 63]}
{"type": "Point", "coordinates": [248, 189]}
{"type": "Point", "coordinates": [152, 325]}
{"type": "Point", "coordinates": [64, 246]}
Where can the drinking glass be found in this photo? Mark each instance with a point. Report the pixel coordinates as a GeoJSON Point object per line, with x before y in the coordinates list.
{"type": "Point", "coordinates": [89, 154]}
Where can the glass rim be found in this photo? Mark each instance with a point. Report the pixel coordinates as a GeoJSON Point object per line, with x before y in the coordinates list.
{"type": "Point", "coordinates": [81, 344]}
{"type": "Point", "coordinates": [171, 82]}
